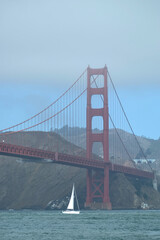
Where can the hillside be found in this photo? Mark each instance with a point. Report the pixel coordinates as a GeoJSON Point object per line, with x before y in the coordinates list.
{"type": "Point", "coordinates": [150, 147]}
{"type": "Point", "coordinates": [33, 185]}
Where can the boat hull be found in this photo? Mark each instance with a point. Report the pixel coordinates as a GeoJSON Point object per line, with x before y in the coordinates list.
{"type": "Point", "coordinates": [71, 212]}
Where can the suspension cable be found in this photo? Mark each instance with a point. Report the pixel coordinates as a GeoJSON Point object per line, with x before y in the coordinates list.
{"type": "Point", "coordinates": [129, 122]}
{"type": "Point", "coordinates": [116, 129]}
{"type": "Point", "coordinates": [46, 107]}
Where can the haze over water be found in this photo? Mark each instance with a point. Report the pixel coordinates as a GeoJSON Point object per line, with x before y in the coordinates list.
{"type": "Point", "coordinates": [98, 225]}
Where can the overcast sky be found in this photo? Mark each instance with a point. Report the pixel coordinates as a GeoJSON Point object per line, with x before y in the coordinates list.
{"type": "Point", "coordinates": [44, 43]}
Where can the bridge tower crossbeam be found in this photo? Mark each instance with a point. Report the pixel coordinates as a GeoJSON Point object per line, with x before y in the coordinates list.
{"type": "Point", "coordinates": [98, 182]}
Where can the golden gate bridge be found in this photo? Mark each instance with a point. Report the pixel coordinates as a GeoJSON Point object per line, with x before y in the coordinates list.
{"type": "Point", "coordinates": [91, 104]}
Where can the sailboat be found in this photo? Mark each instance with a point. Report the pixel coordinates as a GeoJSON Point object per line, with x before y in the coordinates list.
{"type": "Point", "coordinates": [70, 208]}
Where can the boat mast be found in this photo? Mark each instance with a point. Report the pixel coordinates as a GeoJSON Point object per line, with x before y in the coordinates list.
{"type": "Point", "coordinates": [76, 198]}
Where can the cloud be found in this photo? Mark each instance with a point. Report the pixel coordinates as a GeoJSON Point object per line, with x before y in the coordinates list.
{"type": "Point", "coordinates": [53, 42]}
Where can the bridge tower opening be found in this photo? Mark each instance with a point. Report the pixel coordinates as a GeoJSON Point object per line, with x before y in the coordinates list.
{"type": "Point", "coordinates": [97, 196]}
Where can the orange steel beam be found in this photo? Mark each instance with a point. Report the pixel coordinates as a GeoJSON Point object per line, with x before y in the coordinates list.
{"type": "Point", "coordinates": [60, 158]}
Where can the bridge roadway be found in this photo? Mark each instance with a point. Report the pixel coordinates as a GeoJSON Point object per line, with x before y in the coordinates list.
{"type": "Point", "coordinates": [37, 155]}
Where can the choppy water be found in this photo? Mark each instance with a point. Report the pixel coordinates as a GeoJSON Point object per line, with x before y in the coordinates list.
{"type": "Point", "coordinates": [97, 225]}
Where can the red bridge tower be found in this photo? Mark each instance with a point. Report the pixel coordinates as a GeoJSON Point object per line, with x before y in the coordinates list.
{"type": "Point", "coordinates": [98, 181]}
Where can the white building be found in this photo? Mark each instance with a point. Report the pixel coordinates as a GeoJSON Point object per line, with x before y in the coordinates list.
{"type": "Point", "coordinates": [140, 161]}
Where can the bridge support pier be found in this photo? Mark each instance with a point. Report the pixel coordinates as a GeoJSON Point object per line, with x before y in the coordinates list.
{"type": "Point", "coordinates": [98, 181]}
{"type": "Point", "coordinates": [98, 190]}
{"type": "Point", "coordinates": [106, 198]}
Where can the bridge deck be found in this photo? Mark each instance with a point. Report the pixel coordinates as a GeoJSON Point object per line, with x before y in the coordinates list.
{"type": "Point", "coordinates": [60, 158]}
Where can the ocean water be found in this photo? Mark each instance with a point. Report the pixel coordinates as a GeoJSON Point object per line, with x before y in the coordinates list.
{"type": "Point", "coordinates": [97, 225]}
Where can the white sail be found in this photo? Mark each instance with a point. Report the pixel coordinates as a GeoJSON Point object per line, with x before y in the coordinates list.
{"type": "Point", "coordinates": [71, 202]}
{"type": "Point", "coordinates": [70, 208]}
